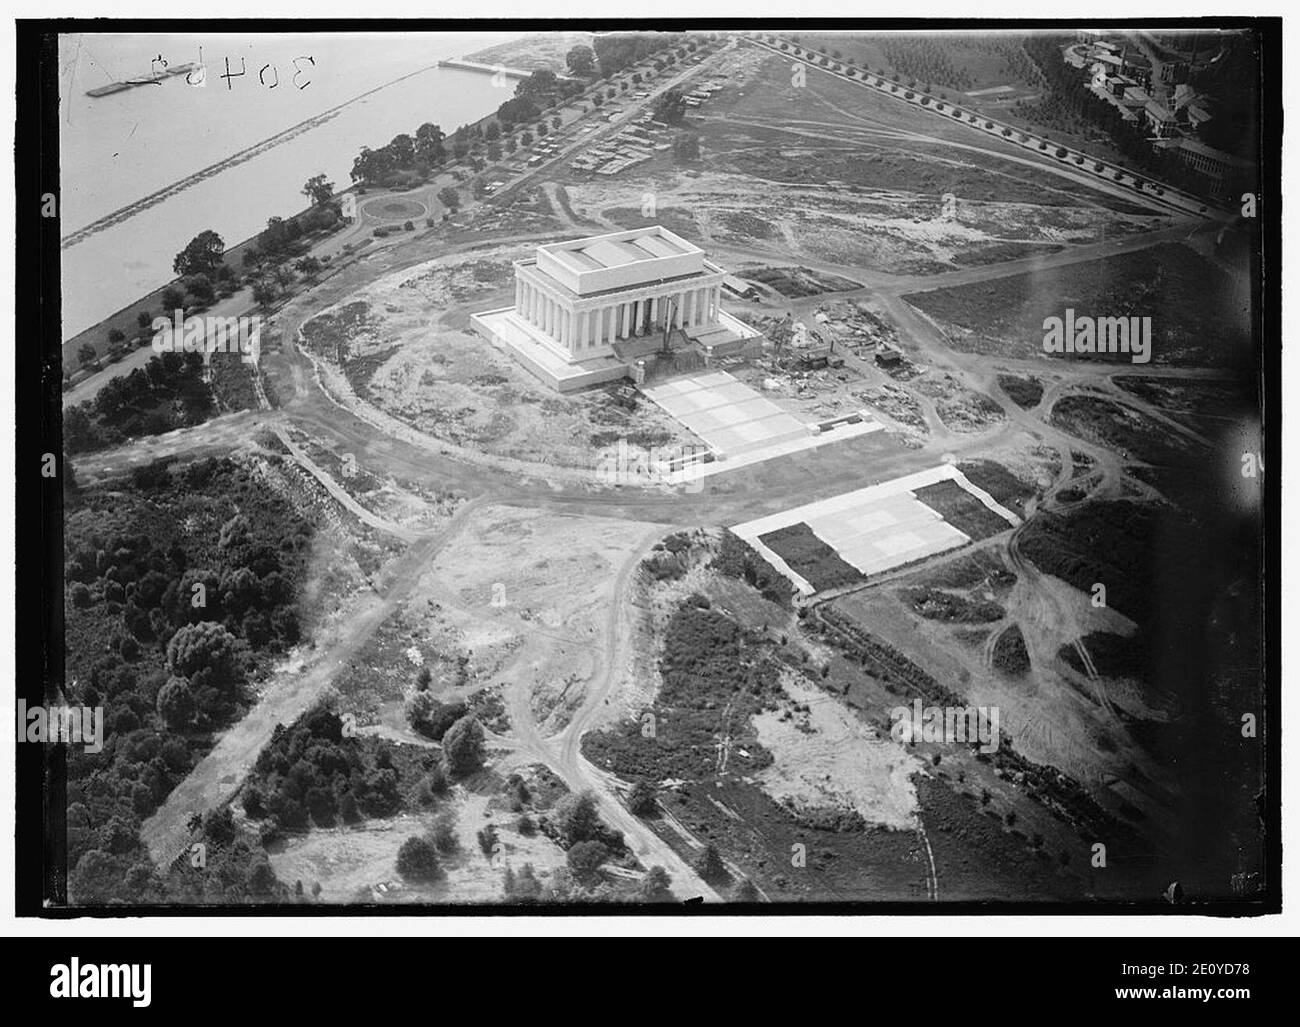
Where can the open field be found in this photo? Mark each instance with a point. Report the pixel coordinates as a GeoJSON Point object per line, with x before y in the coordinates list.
{"type": "Point", "coordinates": [982, 167]}
{"type": "Point", "coordinates": [1196, 310]}
{"type": "Point", "coordinates": [1125, 430]}
{"type": "Point", "coordinates": [953, 62]}
{"type": "Point", "coordinates": [1193, 402]}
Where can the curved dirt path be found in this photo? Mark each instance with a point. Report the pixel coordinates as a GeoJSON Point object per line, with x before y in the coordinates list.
{"type": "Point", "coordinates": [562, 752]}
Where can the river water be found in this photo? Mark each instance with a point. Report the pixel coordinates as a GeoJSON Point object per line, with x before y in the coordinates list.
{"type": "Point", "coordinates": [116, 150]}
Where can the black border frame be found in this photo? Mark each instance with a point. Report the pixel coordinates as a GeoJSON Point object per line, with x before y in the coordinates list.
{"type": "Point", "coordinates": [40, 855]}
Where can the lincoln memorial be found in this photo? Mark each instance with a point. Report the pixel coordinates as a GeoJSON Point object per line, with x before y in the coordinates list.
{"type": "Point", "coordinates": [587, 309]}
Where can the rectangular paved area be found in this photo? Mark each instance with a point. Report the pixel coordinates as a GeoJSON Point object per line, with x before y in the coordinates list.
{"type": "Point", "coordinates": [876, 528]}
{"type": "Point", "coordinates": [740, 425]}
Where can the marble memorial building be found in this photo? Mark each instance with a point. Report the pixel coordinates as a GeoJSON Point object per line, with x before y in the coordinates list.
{"type": "Point", "coordinates": [587, 308]}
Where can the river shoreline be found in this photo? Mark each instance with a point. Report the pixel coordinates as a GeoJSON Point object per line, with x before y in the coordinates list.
{"type": "Point", "coordinates": [124, 318]}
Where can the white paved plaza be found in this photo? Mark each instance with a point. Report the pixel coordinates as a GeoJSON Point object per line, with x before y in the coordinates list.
{"type": "Point", "coordinates": [740, 425]}
{"type": "Point", "coordinates": [875, 528]}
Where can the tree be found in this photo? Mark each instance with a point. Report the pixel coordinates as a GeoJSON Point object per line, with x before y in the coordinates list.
{"type": "Point", "coordinates": [670, 108]}
{"type": "Point", "coordinates": [581, 61]}
{"type": "Point", "coordinates": [263, 293]}
{"type": "Point", "coordinates": [318, 189]}
{"type": "Point", "coordinates": [86, 354]}
{"type": "Point", "coordinates": [428, 144]}
{"type": "Point", "coordinates": [430, 717]}
{"type": "Point", "coordinates": [348, 808]}
{"type": "Point", "coordinates": [278, 236]}
{"type": "Point", "coordinates": [449, 198]}
{"type": "Point", "coordinates": [219, 826]}
{"type": "Point", "coordinates": [201, 255]}
{"type": "Point", "coordinates": [417, 860]}
{"type": "Point", "coordinates": [371, 165]}
{"type": "Point", "coordinates": [283, 276]}
{"type": "Point", "coordinates": [444, 834]}
{"type": "Point", "coordinates": [402, 150]}
{"type": "Point", "coordinates": [206, 648]}
{"type": "Point", "coordinates": [518, 109]}
{"type": "Point", "coordinates": [527, 888]}
{"type": "Point", "coordinates": [656, 886]}
{"type": "Point", "coordinates": [641, 798]}
{"type": "Point", "coordinates": [462, 747]}
{"type": "Point", "coordinates": [575, 817]}
{"type": "Point", "coordinates": [200, 289]}
{"type": "Point", "coordinates": [710, 865]}
{"type": "Point", "coordinates": [176, 704]}
{"type": "Point", "coordinates": [585, 859]}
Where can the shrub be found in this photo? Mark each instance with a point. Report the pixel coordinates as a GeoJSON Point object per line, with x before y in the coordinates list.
{"type": "Point", "coordinates": [417, 860]}
{"type": "Point", "coordinates": [655, 886]}
{"type": "Point", "coordinates": [710, 865]}
{"type": "Point", "coordinates": [176, 703]}
{"type": "Point", "coordinates": [444, 834]}
{"type": "Point", "coordinates": [641, 799]}
{"type": "Point", "coordinates": [462, 747]}
{"type": "Point", "coordinates": [430, 717]}
{"type": "Point", "coordinates": [585, 859]}
{"type": "Point", "coordinates": [575, 818]}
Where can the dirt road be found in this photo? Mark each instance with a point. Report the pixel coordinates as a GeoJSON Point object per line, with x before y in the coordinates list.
{"type": "Point", "coordinates": [562, 752]}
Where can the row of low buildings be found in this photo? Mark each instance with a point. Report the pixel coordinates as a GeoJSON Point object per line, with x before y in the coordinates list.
{"type": "Point", "coordinates": [1173, 69]}
{"type": "Point", "coordinates": [1184, 111]}
{"type": "Point", "coordinates": [1122, 76]}
{"type": "Point", "coordinates": [634, 145]}
{"type": "Point", "coordinates": [1215, 165]}
{"type": "Point", "coordinates": [637, 143]}
{"type": "Point", "coordinates": [702, 93]}
{"type": "Point", "coordinates": [1117, 60]}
